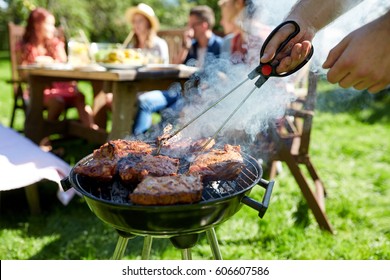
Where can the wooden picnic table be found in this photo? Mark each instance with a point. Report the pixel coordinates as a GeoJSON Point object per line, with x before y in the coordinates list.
{"type": "Point", "coordinates": [126, 83]}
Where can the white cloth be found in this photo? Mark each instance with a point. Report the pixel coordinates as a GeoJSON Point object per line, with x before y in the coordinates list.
{"type": "Point", "coordinates": [23, 163]}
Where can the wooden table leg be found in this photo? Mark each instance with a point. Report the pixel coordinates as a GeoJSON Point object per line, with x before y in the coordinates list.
{"type": "Point", "coordinates": [124, 108]}
{"type": "Point", "coordinates": [34, 123]}
{"type": "Point", "coordinates": [124, 104]}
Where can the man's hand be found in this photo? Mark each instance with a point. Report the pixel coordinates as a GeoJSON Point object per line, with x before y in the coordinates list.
{"type": "Point", "coordinates": [294, 52]}
{"type": "Point", "coordinates": [361, 60]}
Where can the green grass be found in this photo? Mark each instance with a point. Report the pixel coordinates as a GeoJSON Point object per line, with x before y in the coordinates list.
{"type": "Point", "coordinates": [349, 147]}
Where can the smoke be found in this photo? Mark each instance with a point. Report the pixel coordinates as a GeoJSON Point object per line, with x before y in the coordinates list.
{"type": "Point", "coordinates": [273, 12]}
{"type": "Point", "coordinates": [251, 115]}
{"type": "Point", "coordinates": [266, 105]}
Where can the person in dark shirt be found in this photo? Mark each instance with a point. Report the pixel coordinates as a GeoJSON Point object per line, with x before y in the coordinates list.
{"type": "Point", "coordinates": [200, 47]}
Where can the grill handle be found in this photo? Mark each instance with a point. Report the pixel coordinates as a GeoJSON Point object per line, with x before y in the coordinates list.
{"type": "Point", "coordinates": [66, 184]}
{"type": "Point", "coordinates": [263, 206]}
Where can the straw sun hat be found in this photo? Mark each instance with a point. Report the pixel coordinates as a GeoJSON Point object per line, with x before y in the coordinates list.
{"type": "Point", "coordinates": [146, 11]}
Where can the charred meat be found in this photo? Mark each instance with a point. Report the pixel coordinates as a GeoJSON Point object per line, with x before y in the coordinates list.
{"type": "Point", "coordinates": [133, 168]}
{"type": "Point", "coordinates": [116, 149]}
{"type": "Point", "coordinates": [99, 169]}
{"type": "Point", "coordinates": [186, 147]}
{"type": "Point", "coordinates": [218, 164]}
{"type": "Point", "coordinates": [168, 190]}
{"type": "Point", "coordinates": [103, 165]}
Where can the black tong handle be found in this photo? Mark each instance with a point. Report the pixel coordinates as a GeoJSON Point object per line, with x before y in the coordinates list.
{"type": "Point", "coordinates": [269, 69]}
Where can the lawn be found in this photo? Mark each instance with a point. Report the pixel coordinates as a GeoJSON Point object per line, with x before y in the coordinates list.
{"type": "Point", "coordinates": [349, 147]}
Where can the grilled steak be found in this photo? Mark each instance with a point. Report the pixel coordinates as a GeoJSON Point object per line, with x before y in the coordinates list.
{"type": "Point", "coordinates": [116, 149]}
{"type": "Point", "coordinates": [133, 168]}
{"type": "Point", "coordinates": [103, 165]}
{"type": "Point", "coordinates": [100, 169]}
{"type": "Point", "coordinates": [185, 147]}
{"type": "Point", "coordinates": [168, 190]}
{"type": "Point", "coordinates": [218, 164]}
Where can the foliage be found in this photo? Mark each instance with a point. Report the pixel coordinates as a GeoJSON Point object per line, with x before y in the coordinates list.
{"type": "Point", "coordinates": [101, 20]}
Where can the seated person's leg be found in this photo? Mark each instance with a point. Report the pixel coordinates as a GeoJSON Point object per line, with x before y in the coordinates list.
{"type": "Point", "coordinates": [102, 102]}
{"type": "Point", "coordinates": [55, 106]}
{"type": "Point", "coordinates": [84, 110]}
{"type": "Point", "coordinates": [148, 103]}
{"type": "Point", "coordinates": [101, 106]}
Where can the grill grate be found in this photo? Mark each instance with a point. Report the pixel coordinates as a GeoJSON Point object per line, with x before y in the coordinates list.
{"type": "Point", "coordinates": [116, 193]}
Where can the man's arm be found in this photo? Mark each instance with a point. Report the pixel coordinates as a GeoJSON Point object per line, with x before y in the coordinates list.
{"type": "Point", "coordinates": [311, 16]}
{"type": "Point", "coordinates": [361, 60]}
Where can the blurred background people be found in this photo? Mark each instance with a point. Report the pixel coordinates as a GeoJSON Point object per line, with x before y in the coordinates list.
{"type": "Point", "coordinates": [143, 36]}
{"type": "Point", "coordinates": [199, 40]}
{"type": "Point", "coordinates": [200, 48]}
{"type": "Point", "coordinates": [41, 45]}
{"type": "Point", "coordinates": [233, 47]}
{"type": "Point", "coordinates": [244, 31]}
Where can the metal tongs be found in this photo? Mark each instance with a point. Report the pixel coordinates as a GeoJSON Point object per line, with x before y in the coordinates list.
{"type": "Point", "coordinates": [264, 70]}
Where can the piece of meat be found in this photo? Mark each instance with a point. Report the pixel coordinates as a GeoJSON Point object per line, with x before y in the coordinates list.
{"type": "Point", "coordinates": [100, 169]}
{"type": "Point", "coordinates": [218, 164]}
{"type": "Point", "coordinates": [184, 148]}
{"type": "Point", "coordinates": [168, 190]}
{"type": "Point", "coordinates": [133, 168]}
{"type": "Point", "coordinates": [116, 149]}
{"type": "Point", "coordinates": [103, 165]}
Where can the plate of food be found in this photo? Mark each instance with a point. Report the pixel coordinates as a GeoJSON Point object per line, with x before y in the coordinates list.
{"type": "Point", "coordinates": [161, 67]}
{"type": "Point", "coordinates": [57, 66]}
{"type": "Point", "coordinates": [123, 66]}
{"type": "Point", "coordinates": [122, 59]}
{"type": "Point", "coordinates": [90, 67]}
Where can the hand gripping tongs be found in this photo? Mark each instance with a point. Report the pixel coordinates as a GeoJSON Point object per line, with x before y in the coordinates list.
{"type": "Point", "coordinates": [264, 70]}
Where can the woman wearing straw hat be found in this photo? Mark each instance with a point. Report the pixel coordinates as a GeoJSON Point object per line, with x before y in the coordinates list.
{"type": "Point", "coordinates": [144, 34]}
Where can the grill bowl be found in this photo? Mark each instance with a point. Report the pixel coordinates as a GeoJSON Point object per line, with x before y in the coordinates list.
{"type": "Point", "coordinates": [220, 201]}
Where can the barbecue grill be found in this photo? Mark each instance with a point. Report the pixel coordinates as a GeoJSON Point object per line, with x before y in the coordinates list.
{"type": "Point", "coordinates": [182, 223]}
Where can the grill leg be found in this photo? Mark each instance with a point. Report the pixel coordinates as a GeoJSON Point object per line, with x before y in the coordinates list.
{"type": "Point", "coordinates": [147, 247]}
{"type": "Point", "coordinates": [120, 248]}
{"type": "Point", "coordinates": [213, 241]}
{"type": "Point", "coordinates": [186, 254]}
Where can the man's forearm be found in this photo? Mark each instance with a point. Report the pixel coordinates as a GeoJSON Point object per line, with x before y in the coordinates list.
{"type": "Point", "coordinates": [319, 13]}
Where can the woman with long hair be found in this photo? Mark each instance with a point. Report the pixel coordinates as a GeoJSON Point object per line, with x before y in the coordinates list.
{"type": "Point", "coordinates": [145, 25]}
{"type": "Point", "coordinates": [40, 44]}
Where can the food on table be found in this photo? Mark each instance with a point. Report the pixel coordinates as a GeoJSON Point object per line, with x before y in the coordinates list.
{"type": "Point", "coordinates": [168, 190]}
{"type": "Point", "coordinates": [122, 56]}
{"type": "Point", "coordinates": [43, 60]}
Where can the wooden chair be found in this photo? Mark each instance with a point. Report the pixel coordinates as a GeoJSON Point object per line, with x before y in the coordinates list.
{"type": "Point", "coordinates": [15, 33]}
{"type": "Point", "coordinates": [291, 139]}
{"type": "Point", "coordinates": [174, 38]}
{"type": "Point", "coordinates": [19, 85]}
